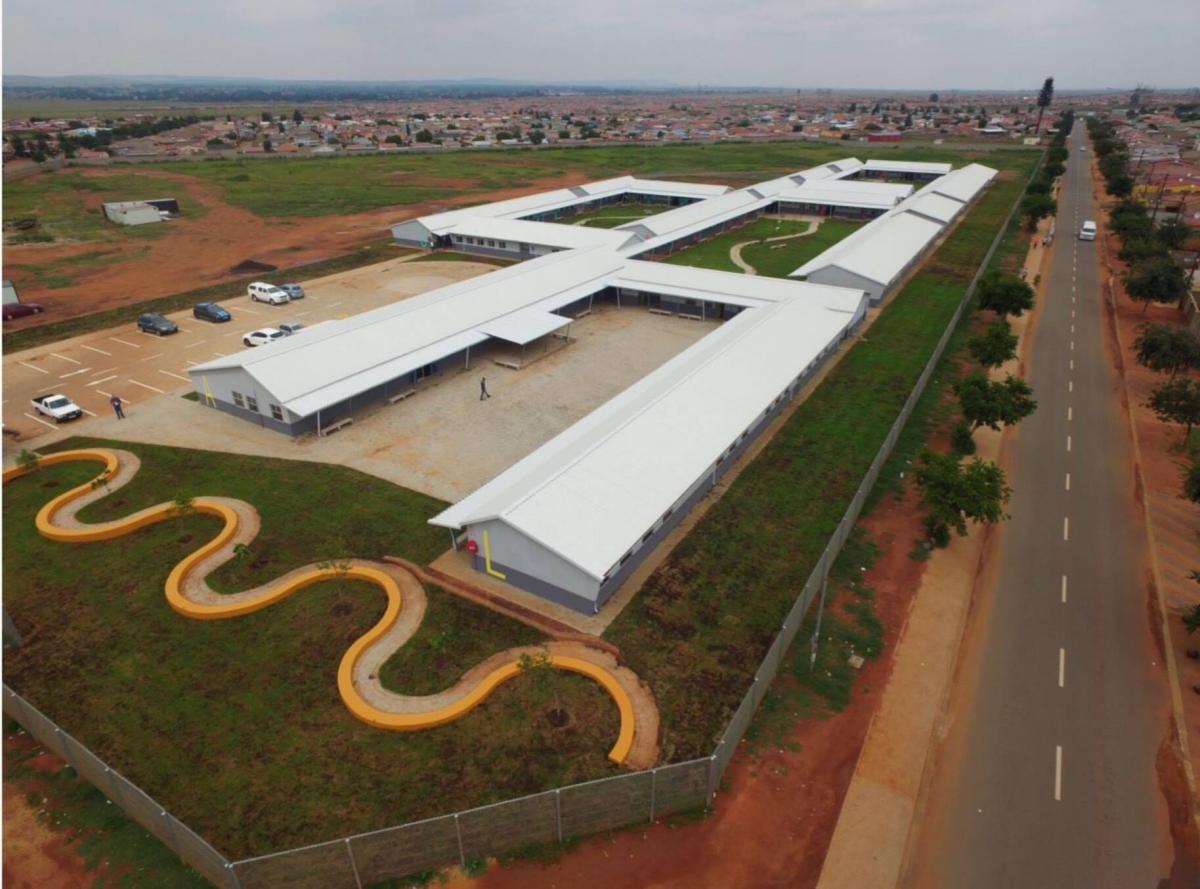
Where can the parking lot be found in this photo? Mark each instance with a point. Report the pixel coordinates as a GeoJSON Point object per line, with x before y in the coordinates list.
{"type": "Point", "coordinates": [141, 367]}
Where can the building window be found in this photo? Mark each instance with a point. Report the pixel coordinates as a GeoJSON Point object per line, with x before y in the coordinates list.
{"type": "Point", "coordinates": [237, 399]}
{"type": "Point", "coordinates": [251, 403]}
{"type": "Point", "coordinates": [277, 412]}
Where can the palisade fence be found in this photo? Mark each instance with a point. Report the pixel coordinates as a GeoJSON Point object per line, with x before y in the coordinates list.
{"type": "Point", "coordinates": [365, 859]}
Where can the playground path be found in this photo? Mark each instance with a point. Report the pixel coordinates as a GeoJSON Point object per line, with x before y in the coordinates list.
{"type": "Point", "coordinates": [188, 593]}
{"type": "Point", "coordinates": [735, 252]}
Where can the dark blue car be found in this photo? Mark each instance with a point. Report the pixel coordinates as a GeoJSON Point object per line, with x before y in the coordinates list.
{"type": "Point", "coordinates": [211, 312]}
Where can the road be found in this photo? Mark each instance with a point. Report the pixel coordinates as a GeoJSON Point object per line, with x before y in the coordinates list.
{"type": "Point", "coordinates": [140, 367]}
{"type": "Point", "coordinates": [1048, 775]}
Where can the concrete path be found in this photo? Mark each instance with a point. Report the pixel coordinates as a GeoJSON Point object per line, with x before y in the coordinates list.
{"type": "Point", "coordinates": [735, 252]}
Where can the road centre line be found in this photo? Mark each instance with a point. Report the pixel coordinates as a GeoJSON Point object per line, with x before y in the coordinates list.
{"type": "Point", "coordinates": [1068, 444]}
{"type": "Point", "coordinates": [103, 380]}
{"type": "Point", "coordinates": [1070, 385]}
{"type": "Point", "coordinates": [40, 420]}
{"type": "Point", "coordinates": [94, 349]}
{"type": "Point", "coordinates": [1062, 667]}
{"type": "Point", "coordinates": [144, 386]}
{"type": "Point", "coordinates": [123, 343]}
{"type": "Point", "coordinates": [1068, 481]}
{"type": "Point", "coordinates": [1058, 773]}
{"type": "Point", "coordinates": [1072, 364]}
{"type": "Point", "coordinates": [1066, 528]}
{"type": "Point", "coordinates": [176, 376]}
{"type": "Point", "coordinates": [1069, 412]}
{"type": "Point", "coordinates": [65, 358]}
{"type": "Point", "coordinates": [40, 370]}
{"type": "Point", "coordinates": [1064, 589]}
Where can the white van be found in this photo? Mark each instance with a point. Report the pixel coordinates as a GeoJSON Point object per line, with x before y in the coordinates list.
{"type": "Point", "coordinates": [261, 292]}
{"type": "Point", "coordinates": [1087, 231]}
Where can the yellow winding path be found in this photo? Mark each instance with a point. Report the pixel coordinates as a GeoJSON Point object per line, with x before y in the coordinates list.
{"type": "Point", "coordinates": [297, 580]}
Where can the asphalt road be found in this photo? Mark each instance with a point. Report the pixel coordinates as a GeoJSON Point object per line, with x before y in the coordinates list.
{"type": "Point", "coordinates": [1048, 777]}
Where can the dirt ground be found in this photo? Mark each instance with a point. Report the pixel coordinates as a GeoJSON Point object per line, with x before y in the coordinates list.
{"type": "Point", "coordinates": [774, 816]}
{"type": "Point", "coordinates": [199, 250]}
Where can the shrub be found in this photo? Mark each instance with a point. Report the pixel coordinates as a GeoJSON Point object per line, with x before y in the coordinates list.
{"type": "Point", "coordinates": [961, 439]}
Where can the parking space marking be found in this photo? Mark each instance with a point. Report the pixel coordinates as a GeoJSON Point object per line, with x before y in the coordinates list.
{"type": "Point", "coordinates": [144, 386]}
{"type": "Point", "coordinates": [40, 370]}
{"type": "Point", "coordinates": [176, 376]}
{"type": "Point", "coordinates": [86, 411]}
{"type": "Point", "coordinates": [123, 343]}
{"type": "Point", "coordinates": [109, 395]}
{"type": "Point", "coordinates": [82, 370]}
{"type": "Point", "coordinates": [251, 311]}
{"type": "Point", "coordinates": [65, 358]}
{"type": "Point", "coordinates": [40, 420]}
{"type": "Point", "coordinates": [103, 380]}
{"type": "Point", "coordinates": [94, 349]}
{"type": "Point", "coordinates": [195, 344]}
{"type": "Point", "coordinates": [152, 357]}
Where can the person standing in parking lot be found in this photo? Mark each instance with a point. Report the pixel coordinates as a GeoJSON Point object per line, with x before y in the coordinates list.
{"type": "Point", "coordinates": [115, 401]}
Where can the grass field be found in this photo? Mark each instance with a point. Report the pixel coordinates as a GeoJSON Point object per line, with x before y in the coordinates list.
{"type": "Point", "coordinates": [236, 725]}
{"type": "Point", "coordinates": [701, 624]}
{"type": "Point", "coordinates": [773, 259]}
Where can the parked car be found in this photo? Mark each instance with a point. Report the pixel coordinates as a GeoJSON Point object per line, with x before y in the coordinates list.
{"type": "Point", "coordinates": [210, 312]}
{"type": "Point", "coordinates": [294, 291]}
{"type": "Point", "coordinates": [291, 327]}
{"type": "Point", "coordinates": [262, 336]}
{"type": "Point", "coordinates": [21, 310]}
{"type": "Point", "coordinates": [153, 322]}
{"type": "Point", "coordinates": [261, 292]}
{"type": "Point", "coordinates": [57, 406]}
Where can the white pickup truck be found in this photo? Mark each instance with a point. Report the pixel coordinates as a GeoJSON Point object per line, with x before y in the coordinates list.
{"type": "Point", "coordinates": [57, 406]}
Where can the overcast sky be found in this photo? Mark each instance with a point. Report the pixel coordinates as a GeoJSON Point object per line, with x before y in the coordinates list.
{"type": "Point", "coordinates": [894, 44]}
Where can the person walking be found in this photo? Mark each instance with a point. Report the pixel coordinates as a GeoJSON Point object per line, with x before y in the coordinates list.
{"type": "Point", "coordinates": [483, 392]}
{"type": "Point", "coordinates": [115, 401]}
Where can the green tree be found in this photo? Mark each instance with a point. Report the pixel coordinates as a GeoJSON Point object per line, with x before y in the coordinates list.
{"type": "Point", "coordinates": [1157, 279]}
{"type": "Point", "coordinates": [1191, 481]}
{"type": "Point", "coordinates": [1177, 401]}
{"type": "Point", "coordinates": [28, 460]}
{"type": "Point", "coordinates": [1035, 207]}
{"type": "Point", "coordinates": [1045, 97]}
{"type": "Point", "coordinates": [953, 493]}
{"type": "Point", "coordinates": [1167, 348]}
{"type": "Point", "coordinates": [1174, 233]}
{"type": "Point", "coordinates": [1005, 294]}
{"type": "Point", "coordinates": [424, 135]}
{"type": "Point", "coordinates": [994, 347]}
{"type": "Point", "coordinates": [267, 146]}
{"type": "Point", "coordinates": [991, 404]}
{"type": "Point", "coordinates": [1191, 619]}
{"type": "Point", "coordinates": [19, 148]}
{"type": "Point", "coordinates": [537, 137]}
{"type": "Point", "coordinates": [297, 117]}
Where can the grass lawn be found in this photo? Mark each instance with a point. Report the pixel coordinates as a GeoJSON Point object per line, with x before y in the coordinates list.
{"type": "Point", "coordinates": [780, 259]}
{"type": "Point", "coordinates": [699, 627]}
{"type": "Point", "coordinates": [236, 725]}
{"type": "Point", "coordinates": [714, 253]}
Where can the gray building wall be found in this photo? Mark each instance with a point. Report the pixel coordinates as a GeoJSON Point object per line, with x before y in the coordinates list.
{"type": "Point", "coordinates": [839, 277]}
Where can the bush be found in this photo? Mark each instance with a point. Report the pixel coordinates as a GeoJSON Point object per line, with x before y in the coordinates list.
{"type": "Point", "coordinates": [961, 439]}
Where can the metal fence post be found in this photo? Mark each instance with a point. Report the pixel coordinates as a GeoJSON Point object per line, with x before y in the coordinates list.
{"type": "Point", "coordinates": [117, 796]}
{"type": "Point", "coordinates": [11, 636]}
{"type": "Point", "coordinates": [169, 830]}
{"type": "Point", "coordinates": [462, 858]}
{"type": "Point", "coordinates": [234, 881]}
{"type": "Point", "coordinates": [653, 789]}
{"type": "Point", "coordinates": [712, 773]}
{"type": "Point", "coordinates": [816, 637]}
{"type": "Point", "coordinates": [65, 740]}
{"type": "Point", "coordinates": [558, 811]}
{"type": "Point", "coordinates": [354, 864]}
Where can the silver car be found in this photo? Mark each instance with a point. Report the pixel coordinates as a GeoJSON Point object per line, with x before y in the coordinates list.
{"type": "Point", "coordinates": [294, 291]}
{"type": "Point", "coordinates": [290, 327]}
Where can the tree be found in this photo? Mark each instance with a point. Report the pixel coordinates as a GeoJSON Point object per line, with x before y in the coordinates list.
{"type": "Point", "coordinates": [1045, 97]}
{"type": "Point", "coordinates": [1167, 348]}
{"type": "Point", "coordinates": [1120, 185]}
{"type": "Point", "coordinates": [991, 404]}
{"type": "Point", "coordinates": [537, 137]}
{"type": "Point", "coordinates": [933, 97]}
{"type": "Point", "coordinates": [1036, 207]}
{"type": "Point", "coordinates": [267, 146]}
{"type": "Point", "coordinates": [297, 117]}
{"type": "Point", "coordinates": [1177, 401]}
{"type": "Point", "coordinates": [28, 460]}
{"type": "Point", "coordinates": [994, 347]}
{"type": "Point", "coordinates": [1174, 233]}
{"type": "Point", "coordinates": [566, 134]}
{"type": "Point", "coordinates": [19, 148]}
{"type": "Point", "coordinates": [1005, 294]}
{"type": "Point", "coordinates": [424, 135]}
{"type": "Point", "coordinates": [954, 493]}
{"type": "Point", "coordinates": [1191, 482]}
{"type": "Point", "coordinates": [1157, 279]}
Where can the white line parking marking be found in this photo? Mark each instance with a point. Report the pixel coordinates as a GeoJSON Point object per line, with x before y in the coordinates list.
{"type": "Point", "coordinates": [40, 420]}
{"type": "Point", "coordinates": [82, 370]}
{"type": "Point", "coordinates": [195, 344]}
{"type": "Point", "coordinates": [1066, 528]}
{"type": "Point", "coordinates": [251, 311]}
{"type": "Point", "coordinates": [144, 386]}
{"type": "Point", "coordinates": [1058, 773]}
{"type": "Point", "coordinates": [335, 305]}
{"type": "Point", "coordinates": [123, 343]}
{"type": "Point", "coordinates": [103, 380]}
{"type": "Point", "coordinates": [176, 376]}
{"type": "Point", "coordinates": [94, 349]}
{"type": "Point", "coordinates": [65, 358]}
{"type": "Point", "coordinates": [40, 370]}
{"type": "Point", "coordinates": [109, 395]}
{"type": "Point", "coordinates": [1062, 667]}
{"type": "Point", "coordinates": [86, 411]}
{"type": "Point", "coordinates": [152, 357]}
{"type": "Point", "coordinates": [182, 329]}
{"type": "Point", "coordinates": [302, 314]}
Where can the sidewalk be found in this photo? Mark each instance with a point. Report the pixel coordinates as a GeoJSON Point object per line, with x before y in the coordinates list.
{"type": "Point", "coordinates": [869, 842]}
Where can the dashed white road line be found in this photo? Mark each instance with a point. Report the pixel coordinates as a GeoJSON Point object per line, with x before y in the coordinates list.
{"type": "Point", "coordinates": [1064, 589]}
{"type": "Point", "coordinates": [40, 370]}
{"type": "Point", "coordinates": [1066, 528]}
{"type": "Point", "coordinates": [103, 380]}
{"type": "Point", "coordinates": [1058, 773]}
{"type": "Point", "coordinates": [1068, 481]}
{"type": "Point", "coordinates": [40, 420]}
{"type": "Point", "coordinates": [1062, 667]}
{"type": "Point", "coordinates": [94, 349]}
{"type": "Point", "coordinates": [124, 343]}
{"type": "Point", "coordinates": [1068, 414]}
{"type": "Point", "coordinates": [144, 386]}
{"type": "Point", "coordinates": [176, 376]}
{"type": "Point", "coordinates": [1068, 444]}
{"type": "Point", "coordinates": [65, 358]}
{"type": "Point", "coordinates": [1070, 385]}
{"type": "Point", "coordinates": [1072, 364]}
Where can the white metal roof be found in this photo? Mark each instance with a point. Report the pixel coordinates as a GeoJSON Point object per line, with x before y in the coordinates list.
{"type": "Point", "coordinates": [893, 166]}
{"type": "Point", "coordinates": [935, 206]}
{"type": "Point", "coordinates": [548, 234]}
{"type": "Point", "coordinates": [879, 251]}
{"type": "Point", "coordinates": [847, 193]}
{"type": "Point", "coordinates": [698, 216]}
{"type": "Point", "coordinates": [964, 183]}
{"type": "Point", "coordinates": [525, 326]}
{"type": "Point", "coordinates": [590, 493]}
